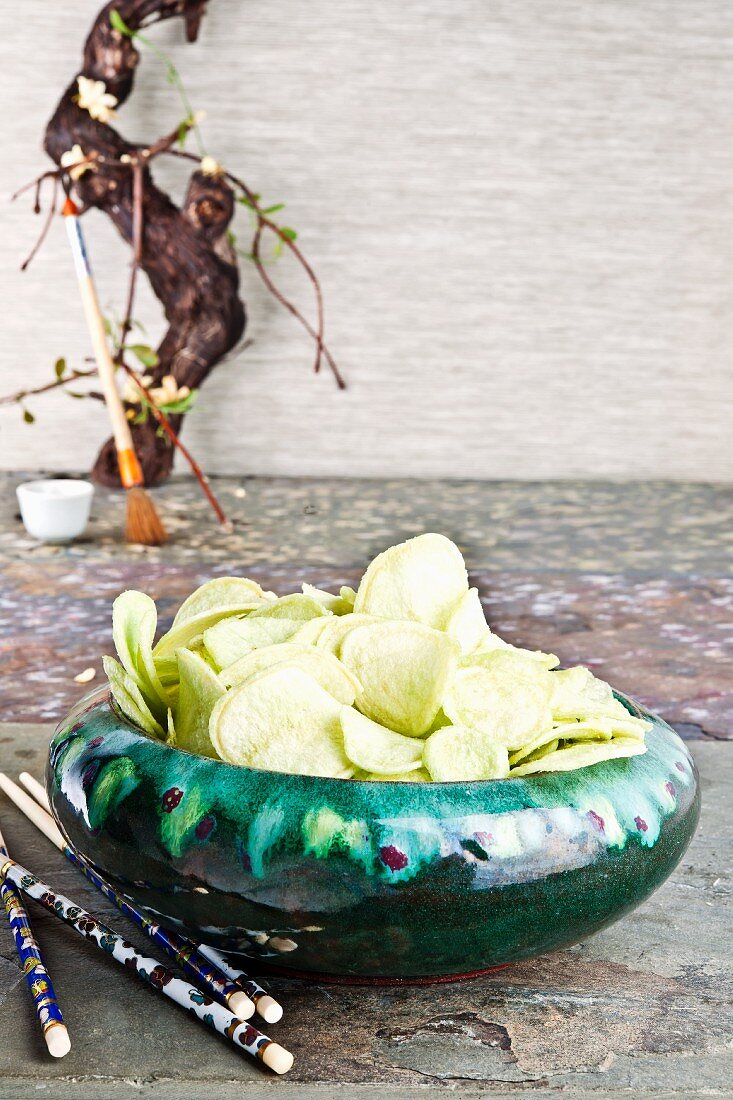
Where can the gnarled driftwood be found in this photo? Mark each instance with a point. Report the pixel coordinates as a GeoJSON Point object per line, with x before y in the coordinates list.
{"type": "Point", "coordinates": [184, 253]}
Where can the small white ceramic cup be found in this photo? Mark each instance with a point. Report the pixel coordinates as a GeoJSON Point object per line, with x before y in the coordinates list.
{"type": "Point", "coordinates": [55, 509]}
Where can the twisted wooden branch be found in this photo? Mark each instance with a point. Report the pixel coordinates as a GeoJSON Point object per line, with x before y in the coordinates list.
{"type": "Point", "coordinates": [184, 252]}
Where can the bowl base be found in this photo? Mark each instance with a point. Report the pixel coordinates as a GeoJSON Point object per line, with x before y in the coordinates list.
{"type": "Point", "coordinates": [349, 979]}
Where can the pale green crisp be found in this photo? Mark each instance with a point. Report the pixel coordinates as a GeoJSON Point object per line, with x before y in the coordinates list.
{"type": "Point", "coordinates": [184, 634]}
{"type": "Point", "coordinates": [232, 639]}
{"type": "Point", "coordinates": [569, 757]}
{"type": "Point", "coordinates": [510, 706]}
{"type": "Point", "coordinates": [334, 630]}
{"type": "Point", "coordinates": [134, 619]}
{"type": "Point", "coordinates": [421, 775]}
{"type": "Point", "coordinates": [376, 749]}
{"type": "Point", "coordinates": [298, 607]}
{"type": "Point", "coordinates": [421, 580]}
{"type": "Point", "coordinates": [466, 622]}
{"type": "Point", "coordinates": [456, 753]}
{"type": "Point", "coordinates": [336, 605]}
{"type": "Point", "coordinates": [577, 693]}
{"type": "Point", "coordinates": [198, 694]}
{"type": "Point", "coordinates": [281, 720]}
{"type": "Point", "coordinates": [219, 593]}
{"type": "Point", "coordinates": [129, 698]}
{"type": "Point", "coordinates": [321, 665]}
{"type": "Point", "coordinates": [403, 668]}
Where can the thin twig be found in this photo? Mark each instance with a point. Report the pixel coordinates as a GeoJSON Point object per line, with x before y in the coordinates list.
{"type": "Point", "coordinates": [317, 334]}
{"type": "Point", "coordinates": [15, 398]}
{"type": "Point", "coordinates": [46, 225]}
{"type": "Point", "coordinates": [287, 304]}
{"type": "Point", "coordinates": [263, 222]}
{"type": "Point", "coordinates": [167, 427]}
{"type": "Point", "coordinates": [55, 172]}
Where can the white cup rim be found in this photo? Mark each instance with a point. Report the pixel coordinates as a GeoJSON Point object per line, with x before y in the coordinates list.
{"type": "Point", "coordinates": [57, 488]}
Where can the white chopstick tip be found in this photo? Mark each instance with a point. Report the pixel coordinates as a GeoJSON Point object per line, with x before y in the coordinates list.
{"type": "Point", "coordinates": [269, 1009]}
{"type": "Point", "coordinates": [57, 1040]}
{"type": "Point", "coordinates": [241, 1005]}
{"type": "Point", "coordinates": [277, 1058]}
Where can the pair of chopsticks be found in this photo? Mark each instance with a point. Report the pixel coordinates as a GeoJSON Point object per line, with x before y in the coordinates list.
{"type": "Point", "coordinates": [237, 996]}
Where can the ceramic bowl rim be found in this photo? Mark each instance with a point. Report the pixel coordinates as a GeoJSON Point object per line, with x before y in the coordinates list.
{"type": "Point", "coordinates": [104, 695]}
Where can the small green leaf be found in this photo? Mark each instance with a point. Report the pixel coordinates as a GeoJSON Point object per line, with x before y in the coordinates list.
{"type": "Point", "coordinates": [147, 355]}
{"type": "Point", "coordinates": [289, 233]}
{"type": "Point", "coordinates": [107, 325]}
{"type": "Point", "coordinates": [119, 24]}
{"type": "Point", "coordinates": [183, 128]}
{"type": "Point", "coordinates": [73, 393]}
{"type": "Point", "coordinates": [181, 406]}
{"type": "Point", "coordinates": [60, 368]}
{"type": "Point", "coordinates": [274, 209]}
{"type": "Point", "coordinates": [231, 238]}
{"type": "Point", "coordinates": [28, 416]}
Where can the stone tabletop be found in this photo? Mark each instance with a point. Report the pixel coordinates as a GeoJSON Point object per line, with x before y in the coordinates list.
{"type": "Point", "coordinates": [634, 580]}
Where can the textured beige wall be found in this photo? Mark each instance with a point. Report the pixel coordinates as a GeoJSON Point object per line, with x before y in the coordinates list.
{"type": "Point", "coordinates": [521, 211]}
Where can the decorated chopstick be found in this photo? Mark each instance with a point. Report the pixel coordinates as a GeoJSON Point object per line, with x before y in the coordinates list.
{"type": "Point", "coordinates": [181, 950]}
{"type": "Point", "coordinates": [150, 970]}
{"type": "Point", "coordinates": [268, 1008]}
{"type": "Point", "coordinates": [260, 1000]}
{"type": "Point", "coordinates": [36, 975]}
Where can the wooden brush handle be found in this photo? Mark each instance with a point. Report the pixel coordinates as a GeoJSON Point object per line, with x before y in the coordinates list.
{"type": "Point", "coordinates": [130, 472]}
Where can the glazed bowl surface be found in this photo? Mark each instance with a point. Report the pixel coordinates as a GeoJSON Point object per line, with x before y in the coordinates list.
{"type": "Point", "coordinates": [363, 880]}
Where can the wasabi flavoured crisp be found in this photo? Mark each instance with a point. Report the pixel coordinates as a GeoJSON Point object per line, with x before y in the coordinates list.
{"type": "Point", "coordinates": [399, 681]}
{"type": "Point", "coordinates": [281, 720]}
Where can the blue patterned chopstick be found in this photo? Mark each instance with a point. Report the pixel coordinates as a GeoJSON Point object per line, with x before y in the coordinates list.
{"type": "Point", "coordinates": [38, 979]}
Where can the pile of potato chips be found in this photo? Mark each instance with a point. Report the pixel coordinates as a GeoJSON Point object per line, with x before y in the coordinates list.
{"type": "Point", "coordinates": [402, 680]}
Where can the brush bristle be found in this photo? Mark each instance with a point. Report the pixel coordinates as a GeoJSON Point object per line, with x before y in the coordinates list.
{"type": "Point", "coordinates": [142, 523]}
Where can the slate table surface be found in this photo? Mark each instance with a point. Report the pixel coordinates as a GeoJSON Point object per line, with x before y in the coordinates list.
{"type": "Point", "coordinates": [632, 579]}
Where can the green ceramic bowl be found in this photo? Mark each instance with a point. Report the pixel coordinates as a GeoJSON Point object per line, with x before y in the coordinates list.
{"type": "Point", "coordinates": [370, 881]}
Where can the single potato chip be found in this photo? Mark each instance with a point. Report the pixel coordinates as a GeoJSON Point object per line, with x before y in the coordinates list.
{"type": "Point", "coordinates": [512, 708]}
{"type": "Point", "coordinates": [467, 622]}
{"type": "Point", "coordinates": [335, 629]}
{"type": "Point", "coordinates": [577, 693]}
{"type": "Point", "coordinates": [232, 639]}
{"type": "Point", "coordinates": [420, 775]}
{"type": "Point", "coordinates": [183, 635]}
{"type": "Point", "coordinates": [129, 699]}
{"type": "Point", "coordinates": [334, 604]}
{"type": "Point", "coordinates": [403, 668]}
{"type": "Point", "coordinates": [298, 607]}
{"type": "Point", "coordinates": [421, 579]}
{"type": "Point", "coordinates": [348, 595]}
{"type": "Point", "coordinates": [281, 720]}
{"type": "Point", "coordinates": [321, 665]}
{"type": "Point", "coordinates": [457, 754]}
{"type": "Point", "coordinates": [311, 631]}
{"type": "Point", "coordinates": [134, 619]}
{"type": "Point", "coordinates": [218, 593]}
{"type": "Point", "coordinates": [375, 748]}
{"type": "Point", "coordinates": [198, 694]}
{"type": "Point", "coordinates": [569, 757]}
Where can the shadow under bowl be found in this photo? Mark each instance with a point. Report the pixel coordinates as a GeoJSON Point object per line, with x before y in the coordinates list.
{"type": "Point", "coordinates": [365, 881]}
